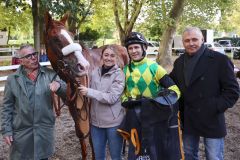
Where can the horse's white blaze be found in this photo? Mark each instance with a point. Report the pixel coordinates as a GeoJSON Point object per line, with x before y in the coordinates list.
{"type": "Point", "coordinates": [76, 48]}
{"type": "Point", "coordinates": [66, 35]}
{"type": "Point", "coordinates": [81, 59]}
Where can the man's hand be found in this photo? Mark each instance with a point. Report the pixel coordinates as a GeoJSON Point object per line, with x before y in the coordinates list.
{"type": "Point", "coordinates": [83, 90]}
{"type": "Point", "coordinates": [8, 140]}
{"type": "Point", "coordinates": [54, 86]}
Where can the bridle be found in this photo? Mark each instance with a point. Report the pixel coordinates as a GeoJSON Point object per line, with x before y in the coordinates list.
{"type": "Point", "coordinates": [72, 84]}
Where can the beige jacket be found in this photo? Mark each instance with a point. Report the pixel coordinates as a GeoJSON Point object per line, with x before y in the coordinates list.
{"type": "Point", "coordinates": [105, 93]}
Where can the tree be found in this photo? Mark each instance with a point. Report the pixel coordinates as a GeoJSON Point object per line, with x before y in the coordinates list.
{"type": "Point", "coordinates": [206, 15]}
{"type": "Point", "coordinates": [16, 19]}
{"type": "Point", "coordinates": [79, 11]}
{"type": "Point", "coordinates": [22, 6]}
{"type": "Point", "coordinates": [195, 14]}
{"type": "Point", "coordinates": [89, 36]}
{"type": "Point", "coordinates": [126, 23]}
{"type": "Point", "coordinates": [229, 20]}
{"type": "Point", "coordinates": [103, 19]}
{"type": "Point", "coordinates": [36, 23]}
{"type": "Point", "coordinates": [165, 50]}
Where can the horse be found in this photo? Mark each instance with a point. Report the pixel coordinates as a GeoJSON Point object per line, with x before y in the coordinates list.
{"type": "Point", "coordinates": [73, 62]}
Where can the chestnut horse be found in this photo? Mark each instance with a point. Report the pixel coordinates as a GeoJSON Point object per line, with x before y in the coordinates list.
{"type": "Point", "coordinates": [73, 63]}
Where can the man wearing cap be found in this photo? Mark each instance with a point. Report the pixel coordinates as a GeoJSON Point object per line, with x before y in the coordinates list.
{"type": "Point", "coordinates": [144, 80]}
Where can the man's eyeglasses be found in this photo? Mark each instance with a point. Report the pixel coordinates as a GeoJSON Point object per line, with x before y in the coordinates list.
{"type": "Point", "coordinates": [29, 56]}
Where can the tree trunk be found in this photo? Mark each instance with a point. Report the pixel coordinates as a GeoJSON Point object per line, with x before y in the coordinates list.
{"type": "Point", "coordinates": [36, 25]}
{"type": "Point", "coordinates": [125, 30]}
{"type": "Point", "coordinates": [72, 25]}
{"type": "Point", "coordinates": [41, 29]}
{"type": "Point", "coordinates": [9, 32]}
{"type": "Point", "coordinates": [165, 50]}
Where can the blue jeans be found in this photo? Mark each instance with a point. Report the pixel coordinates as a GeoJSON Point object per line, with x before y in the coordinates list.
{"type": "Point", "coordinates": [100, 137]}
{"type": "Point", "coordinates": [214, 147]}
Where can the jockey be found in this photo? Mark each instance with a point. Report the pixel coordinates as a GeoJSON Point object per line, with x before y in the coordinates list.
{"type": "Point", "coordinates": [151, 118]}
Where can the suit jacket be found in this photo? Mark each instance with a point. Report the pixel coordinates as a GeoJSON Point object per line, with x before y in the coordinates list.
{"type": "Point", "coordinates": [212, 90]}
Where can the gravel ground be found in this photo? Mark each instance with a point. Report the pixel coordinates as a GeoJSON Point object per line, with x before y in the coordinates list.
{"type": "Point", "coordinates": [68, 147]}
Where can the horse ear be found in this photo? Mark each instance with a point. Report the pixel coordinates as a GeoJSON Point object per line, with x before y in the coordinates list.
{"type": "Point", "coordinates": [48, 20]}
{"type": "Point", "coordinates": [64, 18]}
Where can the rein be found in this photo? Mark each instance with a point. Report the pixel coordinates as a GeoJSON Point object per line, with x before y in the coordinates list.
{"type": "Point", "coordinates": [72, 84]}
{"type": "Point", "coordinates": [63, 67]}
{"type": "Point", "coordinates": [56, 103]}
{"type": "Point", "coordinates": [84, 99]}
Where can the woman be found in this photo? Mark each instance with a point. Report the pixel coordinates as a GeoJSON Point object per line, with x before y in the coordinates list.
{"type": "Point", "coordinates": [107, 85]}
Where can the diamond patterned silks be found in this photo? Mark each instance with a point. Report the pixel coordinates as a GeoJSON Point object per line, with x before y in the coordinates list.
{"type": "Point", "coordinates": [143, 80]}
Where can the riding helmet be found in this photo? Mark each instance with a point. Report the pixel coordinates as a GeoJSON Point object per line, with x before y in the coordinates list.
{"type": "Point", "coordinates": [135, 38]}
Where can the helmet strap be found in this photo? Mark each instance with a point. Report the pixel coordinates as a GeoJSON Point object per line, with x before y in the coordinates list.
{"type": "Point", "coordinates": [144, 51]}
{"type": "Point", "coordinates": [129, 64]}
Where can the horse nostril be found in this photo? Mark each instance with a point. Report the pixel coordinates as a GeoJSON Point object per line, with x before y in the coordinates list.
{"type": "Point", "coordinates": [80, 67]}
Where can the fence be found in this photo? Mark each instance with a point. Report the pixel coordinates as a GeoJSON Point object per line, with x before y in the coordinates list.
{"type": "Point", "coordinates": [6, 68]}
{"type": "Point", "coordinates": [9, 50]}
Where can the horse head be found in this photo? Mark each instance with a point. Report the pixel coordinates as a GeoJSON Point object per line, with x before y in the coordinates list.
{"type": "Point", "coordinates": [66, 57]}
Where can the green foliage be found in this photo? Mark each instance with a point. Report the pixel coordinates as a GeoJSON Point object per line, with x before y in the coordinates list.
{"type": "Point", "coordinates": [156, 18]}
{"type": "Point", "coordinates": [201, 13]}
{"type": "Point", "coordinates": [16, 4]}
{"type": "Point", "coordinates": [230, 17]}
{"type": "Point", "coordinates": [102, 20]}
{"type": "Point", "coordinates": [19, 42]}
{"type": "Point", "coordinates": [16, 18]}
{"type": "Point", "coordinates": [59, 7]}
{"type": "Point", "coordinates": [206, 14]}
{"type": "Point", "coordinates": [89, 35]}
{"type": "Point", "coordinates": [80, 11]}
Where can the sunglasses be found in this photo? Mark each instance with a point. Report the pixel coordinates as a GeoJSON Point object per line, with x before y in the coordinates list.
{"type": "Point", "coordinates": [29, 56]}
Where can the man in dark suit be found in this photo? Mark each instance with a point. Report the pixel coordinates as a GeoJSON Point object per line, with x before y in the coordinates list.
{"type": "Point", "coordinates": [209, 87]}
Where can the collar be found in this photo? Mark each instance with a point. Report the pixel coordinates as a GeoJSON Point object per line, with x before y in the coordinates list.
{"type": "Point", "coordinates": [115, 67]}
{"type": "Point", "coordinates": [137, 63]}
{"type": "Point", "coordinates": [106, 69]}
{"type": "Point", "coordinates": [198, 53]}
{"type": "Point", "coordinates": [21, 70]}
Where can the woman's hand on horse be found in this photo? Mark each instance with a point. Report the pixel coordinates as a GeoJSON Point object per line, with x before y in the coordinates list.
{"type": "Point", "coordinates": [83, 90]}
{"type": "Point", "coordinates": [54, 86]}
